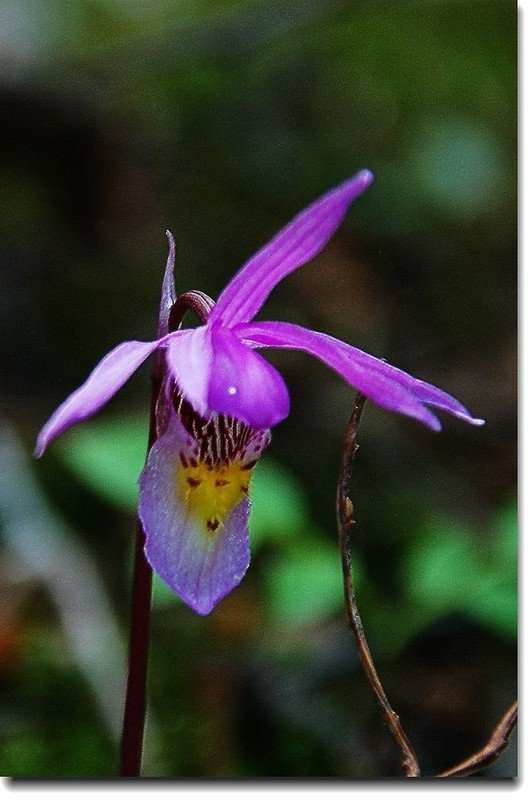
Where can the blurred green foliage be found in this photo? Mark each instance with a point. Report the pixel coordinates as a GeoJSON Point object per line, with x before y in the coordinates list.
{"type": "Point", "coordinates": [219, 119]}
{"type": "Point", "coordinates": [108, 455]}
{"type": "Point", "coordinates": [449, 569]}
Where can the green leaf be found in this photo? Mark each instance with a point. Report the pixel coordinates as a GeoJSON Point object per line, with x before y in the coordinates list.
{"type": "Point", "coordinates": [305, 583]}
{"type": "Point", "coordinates": [496, 606]}
{"type": "Point", "coordinates": [446, 570]}
{"type": "Point", "coordinates": [441, 568]}
{"type": "Point", "coordinates": [161, 594]}
{"type": "Point", "coordinates": [278, 504]}
{"type": "Point", "coordinates": [107, 455]}
{"type": "Point", "coordinates": [505, 540]}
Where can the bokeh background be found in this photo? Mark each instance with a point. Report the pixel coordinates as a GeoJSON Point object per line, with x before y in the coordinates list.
{"type": "Point", "coordinates": [220, 120]}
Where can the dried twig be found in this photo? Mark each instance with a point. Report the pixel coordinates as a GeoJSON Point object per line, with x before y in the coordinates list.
{"type": "Point", "coordinates": [491, 750]}
{"type": "Point", "coordinates": [345, 521]}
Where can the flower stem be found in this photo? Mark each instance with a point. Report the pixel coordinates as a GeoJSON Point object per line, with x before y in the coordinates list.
{"type": "Point", "coordinates": [136, 692]}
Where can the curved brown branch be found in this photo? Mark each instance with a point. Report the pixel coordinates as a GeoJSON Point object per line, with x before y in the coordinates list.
{"type": "Point", "coordinates": [491, 750]}
{"type": "Point", "coordinates": [345, 521]}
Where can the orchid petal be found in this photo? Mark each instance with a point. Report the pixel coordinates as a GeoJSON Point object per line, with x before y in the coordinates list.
{"type": "Point", "coordinates": [244, 385]}
{"type": "Point", "coordinates": [386, 385]}
{"type": "Point", "coordinates": [302, 239]}
{"type": "Point", "coordinates": [189, 360]}
{"type": "Point", "coordinates": [200, 566]}
{"type": "Point", "coordinates": [102, 383]}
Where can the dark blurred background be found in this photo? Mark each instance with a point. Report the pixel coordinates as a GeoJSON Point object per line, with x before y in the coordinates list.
{"type": "Point", "coordinates": [220, 119]}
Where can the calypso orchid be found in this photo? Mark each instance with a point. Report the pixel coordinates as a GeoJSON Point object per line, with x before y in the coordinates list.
{"type": "Point", "coordinates": [218, 399]}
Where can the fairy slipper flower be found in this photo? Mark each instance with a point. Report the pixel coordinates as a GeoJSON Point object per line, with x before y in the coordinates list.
{"type": "Point", "coordinates": [218, 398]}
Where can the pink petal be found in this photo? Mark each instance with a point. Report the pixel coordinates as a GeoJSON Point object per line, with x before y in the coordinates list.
{"type": "Point", "coordinates": [386, 385]}
{"type": "Point", "coordinates": [302, 239]}
{"type": "Point", "coordinates": [105, 380]}
{"type": "Point", "coordinates": [189, 359]}
{"type": "Point", "coordinates": [244, 385]}
{"type": "Point", "coordinates": [200, 566]}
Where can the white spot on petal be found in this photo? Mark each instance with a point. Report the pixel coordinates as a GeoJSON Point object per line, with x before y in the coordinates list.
{"type": "Point", "coordinates": [232, 390]}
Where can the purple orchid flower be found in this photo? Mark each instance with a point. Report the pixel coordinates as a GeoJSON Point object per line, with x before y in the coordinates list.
{"type": "Point", "coordinates": [218, 400]}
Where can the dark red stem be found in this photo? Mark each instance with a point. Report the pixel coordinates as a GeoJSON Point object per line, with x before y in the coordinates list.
{"type": "Point", "coordinates": [136, 690]}
{"type": "Point", "coordinates": [136, 693]}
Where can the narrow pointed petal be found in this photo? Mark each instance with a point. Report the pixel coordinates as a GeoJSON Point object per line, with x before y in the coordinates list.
{"type": "Point", "coordinates": [244, 385]}
{"type": "Point", "coordinates": [386, 385]}
{"type": "Point", "coordinates": [168, 292]}
{"type": "Point", "coordinates": [302, 239]}
{"type": "Point", "coordinates": [200, 565]}
{"type": "Point", "coordinates": [105, 380]}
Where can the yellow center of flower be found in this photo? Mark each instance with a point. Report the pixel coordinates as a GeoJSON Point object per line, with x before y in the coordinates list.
{"type": "Point", "coordinates": [211, 492]}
